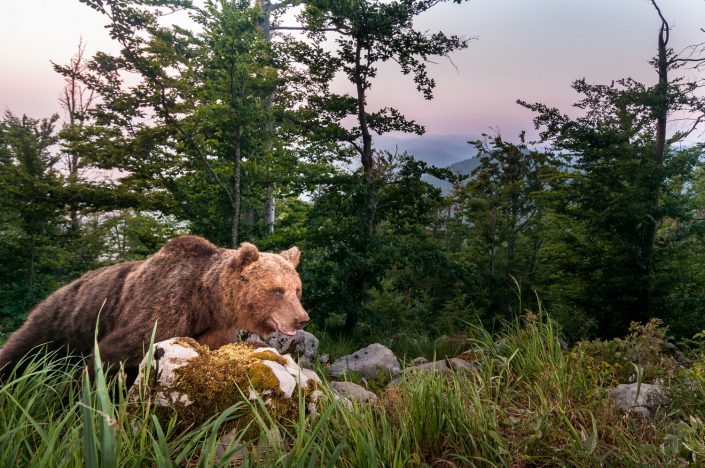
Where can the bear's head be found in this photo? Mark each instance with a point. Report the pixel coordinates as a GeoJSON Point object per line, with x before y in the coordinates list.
{"type": "Point", "coordinates": [268, 294]}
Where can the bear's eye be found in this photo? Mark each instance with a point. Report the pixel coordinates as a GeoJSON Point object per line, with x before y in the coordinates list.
{"type": "Point", "coordinates": [278, 291]}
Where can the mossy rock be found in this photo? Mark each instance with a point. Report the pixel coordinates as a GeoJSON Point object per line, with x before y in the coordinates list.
{"type": "Point", "coordinates": [198, 383]}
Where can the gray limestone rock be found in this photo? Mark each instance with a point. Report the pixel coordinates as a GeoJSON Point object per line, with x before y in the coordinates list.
{"type": "Point", "coordinates": [353, 391]}
{"type": "Point", "coordinates": [369, 362]}
{"type": "Point", "coordinates": [650, 397]}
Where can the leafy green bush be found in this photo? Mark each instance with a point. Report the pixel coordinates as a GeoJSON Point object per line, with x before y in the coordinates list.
{"type": "Point", "coordinates": [613, 361]}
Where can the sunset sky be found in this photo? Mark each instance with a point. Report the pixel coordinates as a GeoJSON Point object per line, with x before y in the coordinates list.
{"type": "Point", "coordinates": [528, 49]}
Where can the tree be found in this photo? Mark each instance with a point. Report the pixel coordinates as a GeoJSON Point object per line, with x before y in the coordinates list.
{"type": "Point", "coordinates": [367, 34]}
{"type": "Point", "coordinates": [503, 206]}
{"type": "Point", "coordinates": [29, 184]}
{"type": "Point", "coordinates": [200, 102]}
{"type": "Point", "coordinates": [622, 161]}
{"type": "Point", "coordinates": [77, 100]}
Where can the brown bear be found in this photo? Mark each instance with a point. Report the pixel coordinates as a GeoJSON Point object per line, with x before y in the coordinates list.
{"type": "Point", "coordinates": [189, 288]}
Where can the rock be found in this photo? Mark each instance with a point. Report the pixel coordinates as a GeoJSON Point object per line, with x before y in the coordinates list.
{"type": "Point", "coordinates": [564, 346]}
{"type": "Point", "coordinates": [353, 392]}
{"type": "Point", "coordinates": [324, 358]}
{"type": "Point", "coordinates": [459, 365]}
{"type": "Point", "coordinates": [372, 361]}
{"type": "Point", "coordinates": [199, 383]}
{"type": "Point", "coordinates": [475, 354]}
{"type": "Point", "coordinates": [439, 367]}
{"type": "Point", "coordinates": [445, 367]}
{"type": "Point", "coordinates": [650, 398]}
{"type": "Point", "coordinates": [418, 361]}
{"type": "Point", "coordinates": [500, 345]}
{"type": "Point", "coordinates": [345, 401]}
{"type": "Point", "coordinates": [303, 345]}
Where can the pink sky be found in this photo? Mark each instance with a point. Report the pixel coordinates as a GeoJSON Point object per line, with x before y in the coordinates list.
{"type": "Point", "coordinates": [529, 49]}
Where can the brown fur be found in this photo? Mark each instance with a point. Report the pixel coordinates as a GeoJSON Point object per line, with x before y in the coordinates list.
{"type": "Point", "coordinates": [189, 288]}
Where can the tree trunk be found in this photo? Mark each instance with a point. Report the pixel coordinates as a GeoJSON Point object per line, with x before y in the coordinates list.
{"type": "Point", "coordinates": [366, 150]}
{"type": "Point", "coordinates": [661, 114]}
{"type": "Point", "coordinates": [269, 206]}
{"type": "Point", "coordinates": [269, 209]}
{"type": "Point", "coordinates": [29, 298]}
{"type": "Point", "coordinates": [236, 206]}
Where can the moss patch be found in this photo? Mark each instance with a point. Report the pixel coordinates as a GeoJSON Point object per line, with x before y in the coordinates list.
{"type": "Point", "coordinates": [215, 380]}
{"type": "Point", "coordinates": [269, 356]}
{"type": "Point", "coordinates": [190, 343]}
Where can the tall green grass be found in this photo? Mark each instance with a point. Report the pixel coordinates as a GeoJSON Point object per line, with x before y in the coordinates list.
{"type": "Point", "coordinates": [529, 403]}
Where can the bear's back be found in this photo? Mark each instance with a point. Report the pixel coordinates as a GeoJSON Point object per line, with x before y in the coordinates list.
{"type": "Point", "coordinates": [188, 247]}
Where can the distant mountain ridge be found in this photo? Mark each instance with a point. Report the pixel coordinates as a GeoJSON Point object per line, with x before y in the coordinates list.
{"type": "Point", "coordinates": [464, 167]}
{"type": "Point", "coordinates": [439, 150]}
{"type": "Point", "coordinates": [449, 151]}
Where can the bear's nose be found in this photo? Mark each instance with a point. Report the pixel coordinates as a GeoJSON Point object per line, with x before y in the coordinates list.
{"type": "Point", "coordinates": [302, 323]}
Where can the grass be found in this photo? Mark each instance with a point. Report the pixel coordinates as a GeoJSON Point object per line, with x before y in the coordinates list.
{"type": "Point", "coordinates": [528, 404]}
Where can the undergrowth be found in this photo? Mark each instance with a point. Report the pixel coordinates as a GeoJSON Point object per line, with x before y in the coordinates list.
{"type": "Point", "coordinates": [528, 403]}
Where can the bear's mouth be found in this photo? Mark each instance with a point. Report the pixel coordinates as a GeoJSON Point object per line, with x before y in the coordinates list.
{"type": "Point", "coordinates": [284, 330]}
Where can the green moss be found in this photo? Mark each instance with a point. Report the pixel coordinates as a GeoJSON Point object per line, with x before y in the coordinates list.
{"type": "Point", "coordinates": [262, 377]}
{"type": "Point", "coordinates": [269, 356]}
{"type": "Point", "coordinates": [190, 343]}
{"type": "Point", "coordinates": [215, 380]}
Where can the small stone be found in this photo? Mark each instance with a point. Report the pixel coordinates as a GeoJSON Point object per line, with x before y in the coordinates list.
{"type": "Point", "coordinates": [641, 411]}
{"type": "Point", "coordinates": [458, 365]}
{"type": "Point", "coordinates": [353, 391]}
{"type": "Point", "coordinates": [440, 367]}
{"type": "Point", "coordinates": [500, 345]}
{"type": "Point", "coordinates": [324, 358]}
{"type": "Point", "coordinates": [345, 401]}
{"type": "Point", "coordinates": [418, 361]}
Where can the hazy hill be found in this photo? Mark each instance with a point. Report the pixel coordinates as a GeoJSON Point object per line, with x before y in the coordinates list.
{"type": "Point", "coordinates": [439, 150]}
{"type": "Point", "coordinates": [464, 167]}
{"type": "Point", "coordinates": [451, 151]}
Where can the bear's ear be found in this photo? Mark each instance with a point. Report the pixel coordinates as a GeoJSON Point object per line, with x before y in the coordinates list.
{"type": "Point", "coordinates": [246, 254]}
{"type": "Point", "coordinates": [292, 256]}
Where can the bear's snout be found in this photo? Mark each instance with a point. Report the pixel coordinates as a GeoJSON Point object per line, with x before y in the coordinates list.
{"type": "Point", "coordinates": [300, 323]}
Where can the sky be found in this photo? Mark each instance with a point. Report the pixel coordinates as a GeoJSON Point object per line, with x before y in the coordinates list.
{"type": "Point", "coordinates": [521, 49]}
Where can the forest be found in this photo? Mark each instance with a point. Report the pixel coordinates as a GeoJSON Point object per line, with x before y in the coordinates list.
{"type": "Point", "coordinates": [218, 120]}
{"type": "Point", "coordinates": [231, 130]}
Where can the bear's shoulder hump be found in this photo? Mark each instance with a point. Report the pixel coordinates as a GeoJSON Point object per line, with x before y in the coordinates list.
{"type": "Point", "coordinates": [189, 246]}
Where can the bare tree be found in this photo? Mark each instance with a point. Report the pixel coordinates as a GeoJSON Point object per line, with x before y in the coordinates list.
{"type": "Point", "coordinates": [76, 99]}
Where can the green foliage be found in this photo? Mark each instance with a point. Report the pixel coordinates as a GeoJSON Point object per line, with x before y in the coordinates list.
{"type": "Point", "coordinates": [617, 267]}
{"type": "Point", "coordinates": [612, 361]}
{"type": "Point", "coordinates": [528, 404]}
{"type": "Point", "coordinates": [503, 208]}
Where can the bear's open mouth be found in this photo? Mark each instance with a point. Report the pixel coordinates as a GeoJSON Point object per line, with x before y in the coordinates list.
{"type": "Point", "coordinates": [284, 330]}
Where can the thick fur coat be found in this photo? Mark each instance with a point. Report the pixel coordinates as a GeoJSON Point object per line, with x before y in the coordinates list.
{"type": "Point", "coordinates": [189, 288]}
